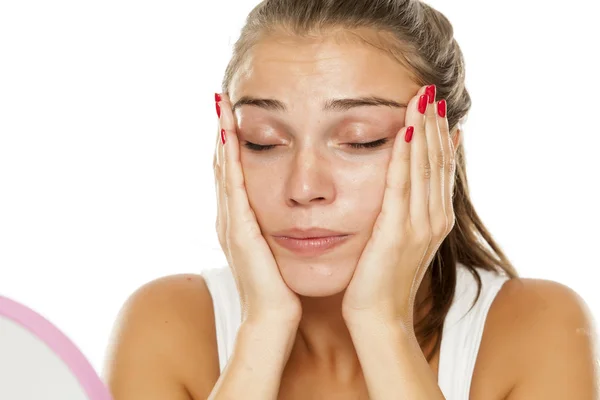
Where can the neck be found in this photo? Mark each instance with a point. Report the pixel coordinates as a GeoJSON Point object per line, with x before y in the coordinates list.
{"type": "Point", "coordinates": [323, 343]}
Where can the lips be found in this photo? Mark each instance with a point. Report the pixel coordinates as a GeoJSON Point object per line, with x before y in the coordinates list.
{"type": "Point", "coordinates": [310, 242]}
{"type": "Point", "coordinates": [310, 233]}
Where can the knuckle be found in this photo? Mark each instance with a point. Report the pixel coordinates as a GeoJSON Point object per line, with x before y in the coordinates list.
{"type": "Point", "coordinates": [229, 188]}
{"type": "Point", "coordinates": [404, 156]}
{"type": "Point", "coordinates": [439, 160]}
{"type": "Point", "coordinates": [405, 189]}
{"type": "Point", "coordinates": [450, 165]}
{"type": "Point", "coordinates": [226, 188]}
{"type": "Point", "coordinates": [426, 170]}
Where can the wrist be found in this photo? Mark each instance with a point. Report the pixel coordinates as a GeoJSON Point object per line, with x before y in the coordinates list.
{"type": "Point", "coordinates": [273, 340]}
{"type": "Point", "coordinates": [270, 330]}
{"type": "Point", "coordinates": [286, 321]}
{"type": "Point", "coordinates": [377, 323]}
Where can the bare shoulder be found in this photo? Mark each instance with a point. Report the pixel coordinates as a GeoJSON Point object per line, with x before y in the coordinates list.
{"type": "Point", "coordinates": [542, 338]}
{"type": "Point", "coordinates": [163, 343]}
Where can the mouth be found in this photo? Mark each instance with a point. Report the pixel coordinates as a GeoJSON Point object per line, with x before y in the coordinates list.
{"type": "Point", "coordinates": [311, 246]}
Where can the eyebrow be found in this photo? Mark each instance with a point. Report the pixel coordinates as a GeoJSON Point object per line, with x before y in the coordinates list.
{"type": "Point", "coordinates": [330, 105]}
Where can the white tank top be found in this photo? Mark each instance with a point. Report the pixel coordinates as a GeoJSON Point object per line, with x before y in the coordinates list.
{"type": "Point", "coordinates": [463, 326]}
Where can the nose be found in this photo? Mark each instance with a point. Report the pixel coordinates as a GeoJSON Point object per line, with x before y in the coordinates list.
{"type": "Point", "coordinates": [310, 180]}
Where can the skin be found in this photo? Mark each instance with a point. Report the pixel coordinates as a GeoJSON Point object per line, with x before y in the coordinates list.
{"type": "Point", "coordinates": [314, 179]}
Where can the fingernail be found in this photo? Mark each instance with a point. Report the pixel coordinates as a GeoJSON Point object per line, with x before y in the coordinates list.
{"type": "Point", "coordinates": [218, 98]}
{"type": "Point", "coordinates": [409, 133]}
{"type": "Point", "coordinates": [442, 108]}
{"type": "Point", "coordinates": [430, 91]}
{"type": "Point", "coordinates": [223, 136]}
{"type": "Point", "coordinates": [423, 103]}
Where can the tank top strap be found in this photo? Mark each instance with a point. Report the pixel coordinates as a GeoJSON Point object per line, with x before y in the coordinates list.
{"type": "Point", "coordinates": [463, 326]}
{"type": "Point", "coordinates": [463, 330]}
{"type": "Point", "coordinates": [227, 309]}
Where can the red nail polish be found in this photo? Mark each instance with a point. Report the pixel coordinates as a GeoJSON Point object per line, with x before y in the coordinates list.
{"type": "Point", "coordinates": [409, 133]}
{"type": "Point", "coordinates": [430, 91]}
{"type": "Point", "coordinates": [442, 108]}
{"type": "Point", "coordinates": [223, 136]}
{"type": "Point", "coordinates": [423, 103]}
{"type": "Point", "coordinates": [217, 97]}
{"type": "Point", "coordinates": [218, 110]}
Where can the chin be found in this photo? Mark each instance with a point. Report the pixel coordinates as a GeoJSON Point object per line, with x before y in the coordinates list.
{"type": "Point", "coordinates": [317, 278]}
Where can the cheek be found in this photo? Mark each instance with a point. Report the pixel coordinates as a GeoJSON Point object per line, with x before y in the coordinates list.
{"type": "Point", "coordinates": [259, 182]}
{"type": "Point", "coordinates": [361, 191]}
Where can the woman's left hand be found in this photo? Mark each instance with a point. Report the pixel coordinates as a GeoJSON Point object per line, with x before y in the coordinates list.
{"type": "Point", "coordinates": [415, 217]}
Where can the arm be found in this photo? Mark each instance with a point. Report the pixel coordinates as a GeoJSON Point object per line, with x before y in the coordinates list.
{"type": "Point", "coordinates": [393, 364]}
{"type": "Point", "coordinates": [256, 365]}
{"type": "Point", "coordinates": [548, 326]}
{"type": "Point", "coordinates": [559, 354]}
{"type": "Point", "coordinates": [164, 347]}
{"type": "Point", "coordinates": [163, 344]}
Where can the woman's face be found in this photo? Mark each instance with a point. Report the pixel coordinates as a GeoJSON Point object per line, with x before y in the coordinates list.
{"type": "Point", "coordinates": [312, 177]}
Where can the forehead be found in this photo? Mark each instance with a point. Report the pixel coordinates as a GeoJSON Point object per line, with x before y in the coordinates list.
{"type": "Point", "coordinates": [329, 66]}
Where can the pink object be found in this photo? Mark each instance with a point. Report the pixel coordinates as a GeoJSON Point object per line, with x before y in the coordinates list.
{"type": "Point", "coordinates": [60, 345]}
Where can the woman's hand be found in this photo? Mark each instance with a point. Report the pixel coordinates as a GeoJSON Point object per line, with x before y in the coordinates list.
{"type": "Point", "coordinates": [263, 293]}
{"type": "Point", "coordinates": [415, 217]}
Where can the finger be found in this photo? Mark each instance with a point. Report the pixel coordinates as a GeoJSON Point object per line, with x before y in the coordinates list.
{"type": "Point", "coordinates": [221, 219]}
{"type": "Point", "coordinates": [437, 159]}
{"type": "Point", "coordinates": [216, 160]}
{"type": "Point", "coordinates": [221, 222]}
{"type": "Point", "coordinates": [396, 197]}
{"type": "Point", "coordinates": [449, 164]}
{"type": "Point", "coordinates": [239, 212]}
{"type": "Point", "coordinates": [420, 170]}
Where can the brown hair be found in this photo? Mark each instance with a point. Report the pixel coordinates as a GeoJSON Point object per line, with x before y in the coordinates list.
{"type": "Point", "coordinates": [421, 39]}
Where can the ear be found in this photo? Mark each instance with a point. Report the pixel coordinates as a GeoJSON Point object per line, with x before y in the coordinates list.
{"type": "Point", "coordinates": [456, 139]}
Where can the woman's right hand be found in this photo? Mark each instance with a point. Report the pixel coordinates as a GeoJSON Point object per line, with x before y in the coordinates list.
{"type": "Point", "coordinates": [263, 293]}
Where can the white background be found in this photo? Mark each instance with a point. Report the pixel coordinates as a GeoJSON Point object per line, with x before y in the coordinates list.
{"type": "Point", "coordinates": [107, 128]}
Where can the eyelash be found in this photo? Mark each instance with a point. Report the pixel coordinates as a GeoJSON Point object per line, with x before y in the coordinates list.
{"type": "Point", "coordinates": [369, 145]}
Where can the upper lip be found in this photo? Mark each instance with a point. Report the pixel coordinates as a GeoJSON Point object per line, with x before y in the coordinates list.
{"type": "Point", "coordinates": [298, 233]}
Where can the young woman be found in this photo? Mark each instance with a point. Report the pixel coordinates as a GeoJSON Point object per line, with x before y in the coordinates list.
{"type": "Point", "coordinates": [357, 265]}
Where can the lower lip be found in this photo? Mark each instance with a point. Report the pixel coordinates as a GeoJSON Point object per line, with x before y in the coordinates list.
{"type": "Point", "coordinates": [311, 246]}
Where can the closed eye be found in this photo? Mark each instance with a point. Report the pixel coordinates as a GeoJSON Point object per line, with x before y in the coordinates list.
{"type": "Point", "coordinates": [376, 143]}
{"type": "Point", "coordinates": [368, 145]}
{"type": "Point", "coordinates": [258, 147]}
